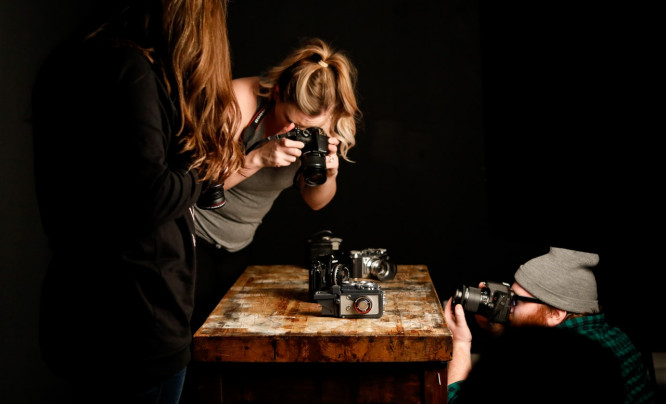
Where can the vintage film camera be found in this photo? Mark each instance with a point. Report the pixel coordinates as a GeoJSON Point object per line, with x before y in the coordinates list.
{"type": "Point", "coordinates": [367, 263]}
{"type": "Point", "coordinates": [322, 243]}
{"type": "Point", "coordinates": [372, 262]}
{"type": "Point", "coordinates": [492, 302]}
{"type": "Point", "coordinates": [352, 299]}
{"type": "Point", "coordinates": [327, 271]}
{"type": "Point", "coordinates": [313, 159]}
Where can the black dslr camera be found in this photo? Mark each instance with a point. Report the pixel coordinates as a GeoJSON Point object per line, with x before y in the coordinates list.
{"type": "Point", "coordinates": [492, 302]}
{"type": "Point", "coordinates": [313, 159]}
{"type": "Point", "coordinates": [352, 300]}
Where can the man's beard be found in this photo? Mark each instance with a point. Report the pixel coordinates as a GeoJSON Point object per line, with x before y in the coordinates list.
{"type": "Point", "coordinates": [538, 318]}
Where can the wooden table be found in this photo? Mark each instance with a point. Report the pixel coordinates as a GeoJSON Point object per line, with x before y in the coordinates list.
{"type": "Point", "coordinates": [266, 341]}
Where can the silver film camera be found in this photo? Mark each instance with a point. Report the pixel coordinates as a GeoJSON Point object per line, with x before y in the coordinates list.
{"type": "Point", "coordinates": [372, 262]}
{"type": "Point", "coordinates": [352, 299]}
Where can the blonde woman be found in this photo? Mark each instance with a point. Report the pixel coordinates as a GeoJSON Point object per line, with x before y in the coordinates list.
{"type": "Point", "coordinates": [130, 117]}
{"type": "Point", "coordinates": [314, 86]}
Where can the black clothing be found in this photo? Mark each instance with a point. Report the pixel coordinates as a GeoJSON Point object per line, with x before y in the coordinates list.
{"type": "Point", "coordinates": [115, 199]}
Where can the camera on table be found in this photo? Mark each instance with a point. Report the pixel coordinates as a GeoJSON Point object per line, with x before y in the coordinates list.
{"type": "Point", "coordinates": [492, 301]}
{"type": "Point", "coordinates": [322, 243]}
{"type": "Point", "coordinates": [352, 299]}
{"type": "Point", "coordinates": [212, 197]}
{"type": "Point", "coordinates": [372, 262]}
{"type": "Point", "coordinates": [327, 271]}
{"type": "Point", "coordinates": [313, 157]}
{"type": "Point", "coordinates": [329, 265]}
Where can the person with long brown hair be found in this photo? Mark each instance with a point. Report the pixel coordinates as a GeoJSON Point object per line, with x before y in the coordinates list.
{"type": "Point", "coordinates": [314, 86]}
{"type": "Point", "coordinates": [131, 118]}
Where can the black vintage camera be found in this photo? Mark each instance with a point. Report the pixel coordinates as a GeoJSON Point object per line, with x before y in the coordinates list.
{"type": "Point", "coordinates": [493, 301]}
{"type": "Point", "coordinates": [372, 262]}
{"type": "Point", "coordinates": [327, 271]}
{"type": "Point", "coordinates": [212, 197]}
{"type": "Point", "coordinates": [313, 159]}
{"type": "Point", "coordinates": [352, 300]}
{"type": "Point", "coordinates": [322, 243]}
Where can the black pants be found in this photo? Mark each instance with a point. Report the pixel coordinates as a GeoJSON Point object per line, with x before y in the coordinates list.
{"type": "Point", "coordinates": [217, 270]}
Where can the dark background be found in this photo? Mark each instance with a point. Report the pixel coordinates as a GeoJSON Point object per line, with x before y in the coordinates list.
{"type": "Point", "coordinates": [490, 131]}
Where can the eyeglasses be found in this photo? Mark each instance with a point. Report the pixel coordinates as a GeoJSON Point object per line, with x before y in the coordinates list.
{"type": "Point", "coordinates": [516, 298]}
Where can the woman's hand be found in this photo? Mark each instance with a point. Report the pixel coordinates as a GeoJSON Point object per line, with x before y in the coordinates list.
{"type": "Point", "coordinates": [332, 160]}
{"type": "Point", "coordinates": [278, 153]}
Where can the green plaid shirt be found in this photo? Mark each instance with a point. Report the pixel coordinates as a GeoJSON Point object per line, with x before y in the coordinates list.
{"type": "Point", "coordinates": [637, 384]}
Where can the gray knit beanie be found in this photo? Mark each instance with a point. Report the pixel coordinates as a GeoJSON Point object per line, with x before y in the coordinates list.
{"type": "Point", "coordinates": [563, 279]}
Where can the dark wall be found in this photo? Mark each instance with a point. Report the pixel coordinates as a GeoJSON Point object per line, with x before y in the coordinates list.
{"type": "Point", "coordinates": [417, 184]}
{"type": "Point", "coordinates": [489, 132]}
{"type": "Point", "coordinates": [568, 114]}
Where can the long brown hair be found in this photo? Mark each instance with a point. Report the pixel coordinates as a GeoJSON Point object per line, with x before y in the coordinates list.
{"type": "Point", "coordinates": [188, 40]}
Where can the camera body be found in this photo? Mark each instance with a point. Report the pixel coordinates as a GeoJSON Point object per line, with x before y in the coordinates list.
{"type": "Point", "coordinates": [313, 157]}
{"type": "Point", "coordinates": [372, 262]}
{"type": "Point", "coordinates": [322, 243]}
{"type": "Point", "coordinates": [492, 302]}
{"type": "Point", "coordinates": [327, 271]}
{"type": "Point", "coordinates": [352, 299]}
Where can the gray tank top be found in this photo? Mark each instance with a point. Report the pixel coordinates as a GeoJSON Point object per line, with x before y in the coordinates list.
{"type": "Point", "coordinates": [233, 226]}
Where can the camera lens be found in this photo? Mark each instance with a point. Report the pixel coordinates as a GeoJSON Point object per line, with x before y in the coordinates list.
{"type": "Point", "coordinates": [470, 298]}
{"type": "Point", "coordinates": [339, 273]}
{"type": "Point", "coordinates": [212, 197]}
{"type": "Point", "coordinates": [382, 269]}
{"type": "Point", "coordinates": [314, 168]}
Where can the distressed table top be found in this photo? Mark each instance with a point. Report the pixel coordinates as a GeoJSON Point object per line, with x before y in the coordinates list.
{"type": "Point", "coordinates": [267, 316]}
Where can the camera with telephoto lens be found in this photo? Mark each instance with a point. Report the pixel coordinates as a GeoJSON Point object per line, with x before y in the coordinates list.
{"type": "Point", "coordinates": [492, 301]}
{"type": "Point", "coordinates": [372, 262]}
{"type": "Point", "coordinates": [212, 197]}
{"type": "Point", "coordinates": [352, 299]}
{"type": "Point", "coordinates": [313, 157]}
{"type": "Point", "coordinates": [327, 271]}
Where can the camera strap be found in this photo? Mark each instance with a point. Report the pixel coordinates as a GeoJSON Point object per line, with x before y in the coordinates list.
{"type": "Point", "coordinates": [256, 120]}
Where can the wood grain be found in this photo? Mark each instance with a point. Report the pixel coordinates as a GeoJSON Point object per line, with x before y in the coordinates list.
{"type": "Point", "coordinates": [267, 316]}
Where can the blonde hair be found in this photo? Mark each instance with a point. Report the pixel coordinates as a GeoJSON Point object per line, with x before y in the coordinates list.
{"type": "Point", "coordinates": [188, 40]}
{"type": "Point", "coordinates": [317, 78]}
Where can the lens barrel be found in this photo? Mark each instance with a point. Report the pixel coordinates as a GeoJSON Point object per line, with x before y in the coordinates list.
{"type": "Point", "coordinates": [212, 198]}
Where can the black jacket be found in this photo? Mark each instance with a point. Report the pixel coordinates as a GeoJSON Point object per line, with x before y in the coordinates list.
{"type": "Point", "coordinates": [115, 199]}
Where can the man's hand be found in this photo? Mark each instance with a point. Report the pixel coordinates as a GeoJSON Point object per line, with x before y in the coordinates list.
{"type": "Point", "coordinates": [461, 361]}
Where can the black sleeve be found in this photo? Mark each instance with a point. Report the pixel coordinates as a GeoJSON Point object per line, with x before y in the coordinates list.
{"type": "Point", "coordinates": [106, 144]}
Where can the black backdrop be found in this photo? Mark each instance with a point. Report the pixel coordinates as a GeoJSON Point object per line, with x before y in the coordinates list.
{"type": "Point", "coordinates": [490, 131]}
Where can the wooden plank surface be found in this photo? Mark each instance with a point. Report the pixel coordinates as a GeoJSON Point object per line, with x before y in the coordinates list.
{"type": "Point", "coordinates": [267, 316]}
